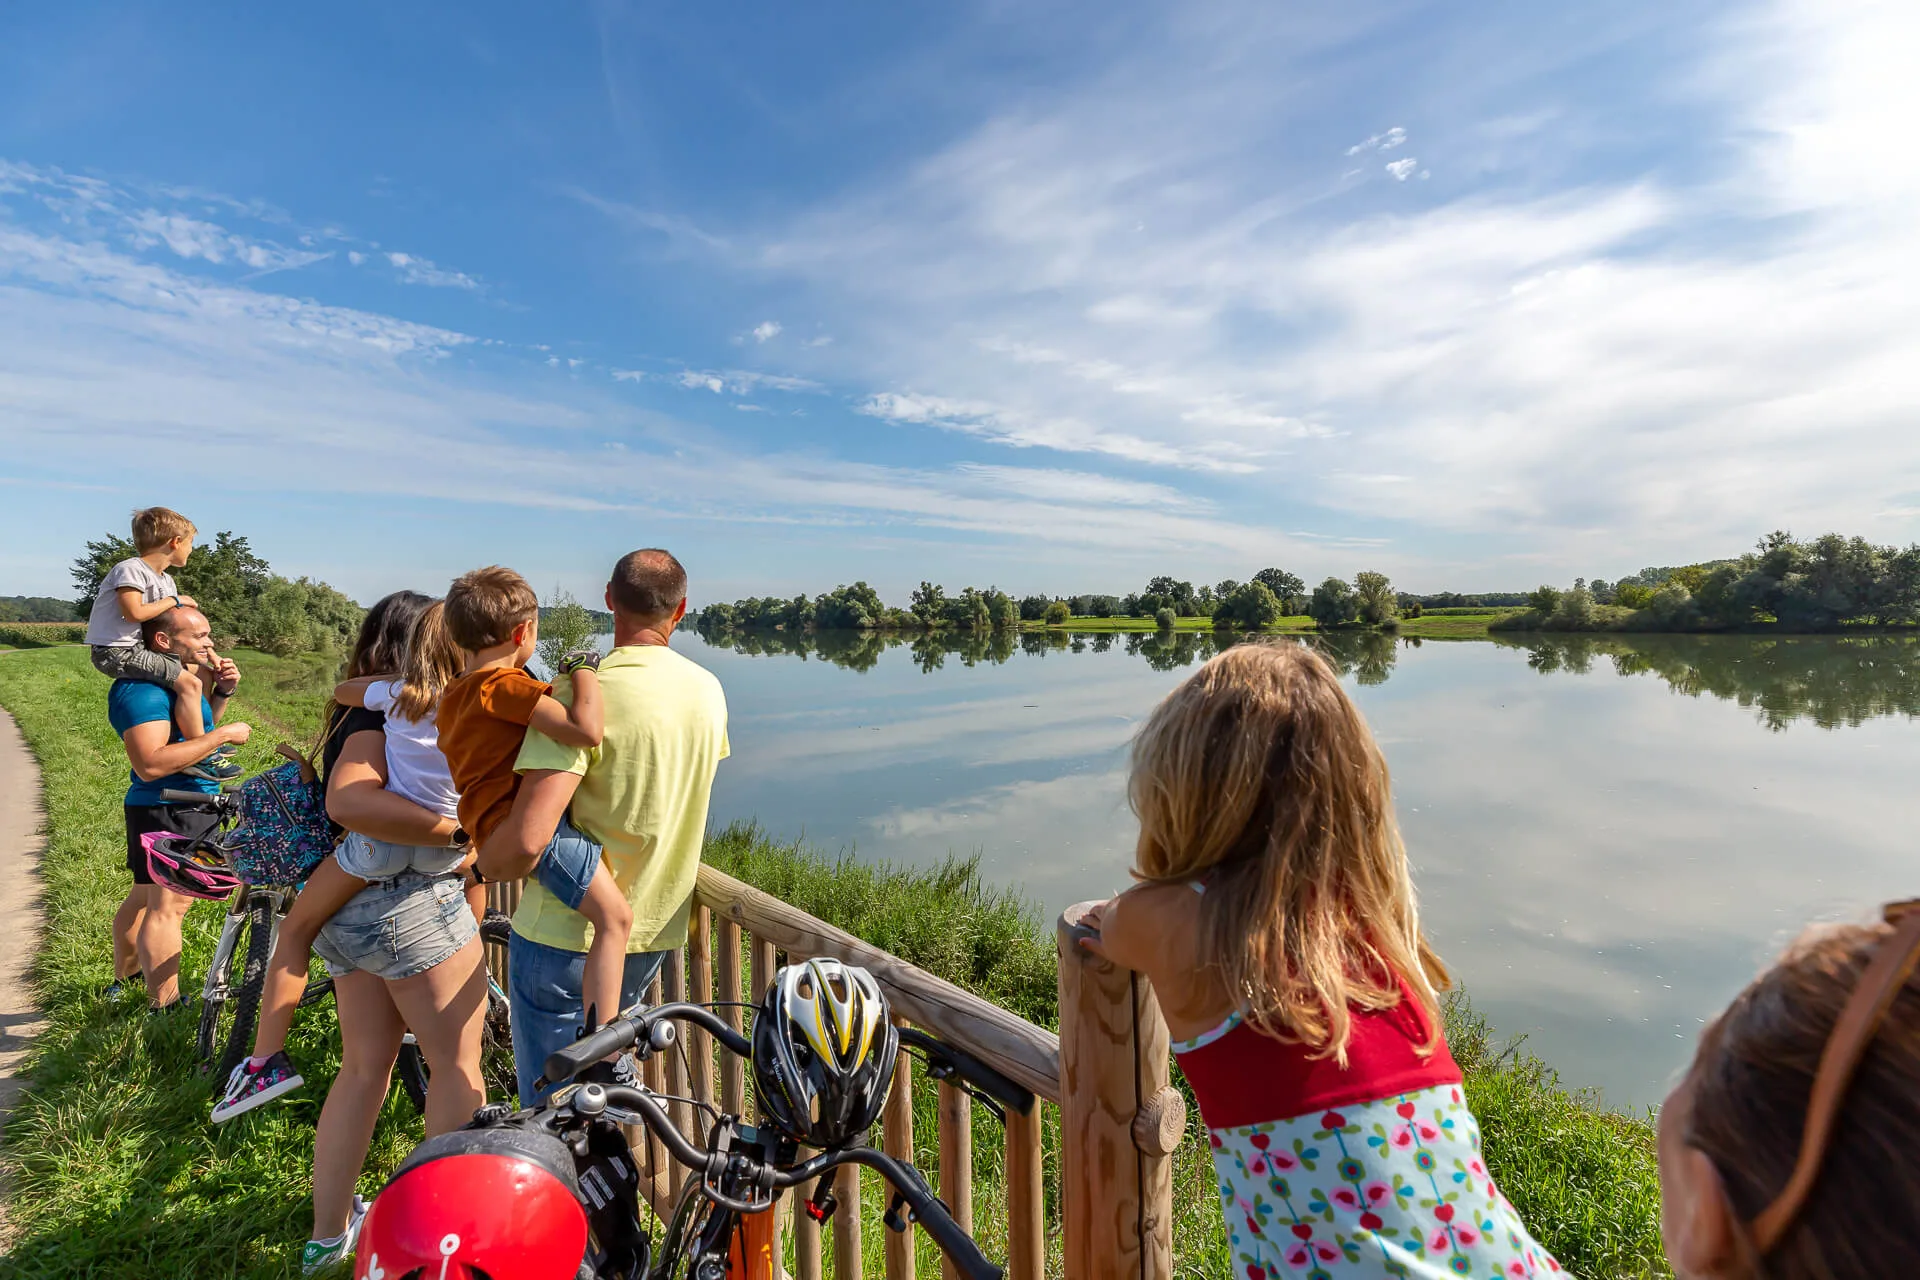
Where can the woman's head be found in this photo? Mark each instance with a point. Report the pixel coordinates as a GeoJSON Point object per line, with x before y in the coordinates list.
{"type": "Point", "coordinates": [1259, 775]}
{"type": "Point", "coordinates": [432, 663]}
{"type": "Point", "coordinates": [381, 645]}
{"type": "Point", "coordinates": [1731, 1132]}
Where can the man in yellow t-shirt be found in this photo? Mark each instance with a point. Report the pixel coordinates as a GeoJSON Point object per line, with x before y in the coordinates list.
{"type": "Point", "coordinates": [642, 794]}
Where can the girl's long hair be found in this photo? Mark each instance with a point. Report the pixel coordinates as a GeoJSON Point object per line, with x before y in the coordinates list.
{"type": "Point", "coordinates": [380, 646]}
{"type": "Point", "coordinates": [433, 662]}
{"type": "Point", "coordinates": [1259, 777]}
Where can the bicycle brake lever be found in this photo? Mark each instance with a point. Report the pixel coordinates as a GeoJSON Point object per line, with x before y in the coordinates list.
{"type": "Point", "coordinates": [821, 1204]}
{"type": "Point", "coordinates": [898, 1215]}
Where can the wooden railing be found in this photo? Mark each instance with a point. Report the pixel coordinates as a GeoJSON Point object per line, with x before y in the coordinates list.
{"type": "Point", "coordinates": [1118, 1121]}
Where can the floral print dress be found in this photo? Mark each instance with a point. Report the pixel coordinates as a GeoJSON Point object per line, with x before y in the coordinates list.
{"type": "Point", "coordinates": [1364, 1180]}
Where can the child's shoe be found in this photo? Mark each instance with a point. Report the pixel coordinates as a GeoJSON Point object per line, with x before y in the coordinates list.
{"type": "Point", "coordinates": [249, 1089]}
{"type": "Point", "coordinates": [219, 767]}
{"type": "Point", "coordinates": [122, 992]}
{"type": "Point", "coordinates": [321, 1255]}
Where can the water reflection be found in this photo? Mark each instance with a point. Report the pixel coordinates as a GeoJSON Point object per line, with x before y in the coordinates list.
{"type": "Point", "coordinates": [1367, 656]}
{"type": "Point", "coordinates": [1829, 680]}
{"type": "Point", "coordinates": [1603, 863]}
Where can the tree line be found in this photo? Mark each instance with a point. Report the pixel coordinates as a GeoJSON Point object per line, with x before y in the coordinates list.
{"type": "Point", "coordinates": [243, 598]}
{"type": "Point", "coordinates": [1786, 584]}
{"type": "Point", "coordinates": [1270, 595]}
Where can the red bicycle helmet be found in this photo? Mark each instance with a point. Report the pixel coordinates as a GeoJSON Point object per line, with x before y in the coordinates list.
{"type": "Point", "coordinates": [174, 861]}
{"type": "Point", "coordinates": [477, 1204]}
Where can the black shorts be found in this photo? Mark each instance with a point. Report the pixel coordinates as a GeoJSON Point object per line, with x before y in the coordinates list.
{"type": "Point", "coordinates": [145, 818]}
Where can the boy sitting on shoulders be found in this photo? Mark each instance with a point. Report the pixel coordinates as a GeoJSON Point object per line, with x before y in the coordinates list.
{"type": "Point", "coordinates": [138, 590]}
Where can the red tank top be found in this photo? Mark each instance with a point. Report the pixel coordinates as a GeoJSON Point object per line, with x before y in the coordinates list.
{"type": "Point", "coordinates": [1241, 1077]}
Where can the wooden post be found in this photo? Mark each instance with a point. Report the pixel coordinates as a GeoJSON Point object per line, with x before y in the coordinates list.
{"type": "Point", "coordinates": [759, 978]}
{"type": "Point", "coordinates": [896, 1139]}
{"type": "Point", "coordinates": [733, 1072]}
{"type": "Point", "coordinates": [673, 990]}
{"type": "Point", "coordinates": [1116, 1200]}
{"type": "Point", "coordinates": [846, 1224]}
{"type": "Point", "coordinates": [1026, 1200]}
{"type": "Point", "coordinates": [956, 1163]}
{"type": "Point", "coordinates": [700, 970]}
{"type": "Point", "coordinates": [806, 1232]}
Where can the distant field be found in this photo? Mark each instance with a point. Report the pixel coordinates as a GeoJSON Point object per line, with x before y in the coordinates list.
{"type": "Point", "coordinates": [1474, 611]}
{"type": "Point", "coordinates": [38, 635]}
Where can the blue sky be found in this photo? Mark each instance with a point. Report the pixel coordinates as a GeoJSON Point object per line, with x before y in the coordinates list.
{"type": "Point", "coordinates": [1053, 297]}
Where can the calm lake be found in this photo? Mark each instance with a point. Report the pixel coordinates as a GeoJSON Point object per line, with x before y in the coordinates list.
{"type": "Point", "coordinates": [1609, 835]}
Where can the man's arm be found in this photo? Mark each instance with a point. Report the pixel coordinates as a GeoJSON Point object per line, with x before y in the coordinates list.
{"type": "Point", "coordinates": [516, 844]}
{"type": "Point", "coordinates": [153, 757]}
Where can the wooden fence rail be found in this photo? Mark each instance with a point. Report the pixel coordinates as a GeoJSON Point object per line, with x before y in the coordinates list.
{"type": "Point", "coordinates": [1106, 1072]}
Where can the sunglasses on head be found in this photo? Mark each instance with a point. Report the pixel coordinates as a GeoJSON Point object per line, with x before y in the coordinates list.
{"type": "Point", "coordinates": [1853, 1034]}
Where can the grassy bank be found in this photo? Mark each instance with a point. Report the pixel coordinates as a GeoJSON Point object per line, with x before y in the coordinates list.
{"type": "Point", "coordinates": [116, 1171]}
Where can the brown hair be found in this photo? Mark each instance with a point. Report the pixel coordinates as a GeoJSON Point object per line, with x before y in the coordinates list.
{"type": "Point", "coordinates": [648, 584]}
{"type": "Point", "coordinates": [433, 661]}
{"type": "Point", "coordinates": [484, 606]}
{"type": "Point", "coordinates": [1752, 1079]}
{"type": "Point", "coordinates": [1259, 774]}
{"type": "Point", "coordinates": [155, 527]}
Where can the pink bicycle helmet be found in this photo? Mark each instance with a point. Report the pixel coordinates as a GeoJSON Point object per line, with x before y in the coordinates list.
{"type": "Point", "coordinates": [174, 862]}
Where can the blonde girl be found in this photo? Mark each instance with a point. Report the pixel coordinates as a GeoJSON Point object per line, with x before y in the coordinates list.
{"type": "Point", "coordinates": [1275, 917]}
{"type": "Point", "coordinates": [416, 771]}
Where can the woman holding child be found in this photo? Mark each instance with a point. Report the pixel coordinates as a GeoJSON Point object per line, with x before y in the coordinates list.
{"type": "Point", "coordinates": [393, 920]}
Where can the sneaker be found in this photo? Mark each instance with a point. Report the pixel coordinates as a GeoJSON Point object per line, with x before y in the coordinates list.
{"type": "Point", "coordinates": [322, 1255]}
{"type": "Point", "coordinates": [122, 992]}
{"type": "Point", "coordinates": [181, 1004]}
{"type": "Point", "coordinates": [218, 767]}
{"type": "Point", "coordinates": [249, 1089]}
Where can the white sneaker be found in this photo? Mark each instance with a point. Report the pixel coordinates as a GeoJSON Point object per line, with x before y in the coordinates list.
{"type": "Point", "coordinates": [321, 1255]}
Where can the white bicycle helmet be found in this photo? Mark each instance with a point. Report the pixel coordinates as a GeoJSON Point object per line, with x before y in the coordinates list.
{"type": "Point", "coordinates": [824, 1049]}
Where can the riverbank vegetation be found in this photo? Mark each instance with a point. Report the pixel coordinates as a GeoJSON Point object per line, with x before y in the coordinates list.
{"type": "Point", "coordinates": [1829, 583]}
{"type": "Point", "coordinates": [115, 1170]}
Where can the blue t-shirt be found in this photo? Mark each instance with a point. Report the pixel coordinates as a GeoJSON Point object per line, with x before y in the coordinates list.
{"type": "Point", "coordinates": [132, 702]}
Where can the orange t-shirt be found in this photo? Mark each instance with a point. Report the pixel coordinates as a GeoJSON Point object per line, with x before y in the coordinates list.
{"type": "Point", "coordinates": [483, 718]}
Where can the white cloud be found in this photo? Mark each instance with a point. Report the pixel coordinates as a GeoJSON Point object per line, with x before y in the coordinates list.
{"type": "Point", "coordinates": [417, 270]}
{"type": "Point", "coordinates": [1380, 141]}
{"type": "Point", "coordinates": [356, 257]}
{"type": "Point", "coordinates": [1403, 168]}
{"type": "Point", "coordinates": [1008, 426]}
{"type": "Point", "coordinates": [742, 381]}
{"type": "Point", "coordinates": [629, 375]}
{"type": "Point", "coordinates": [766, 329]}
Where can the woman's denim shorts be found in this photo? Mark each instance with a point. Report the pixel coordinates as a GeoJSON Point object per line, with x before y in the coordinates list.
{"type": "Point", "coordinates": [397, 928]}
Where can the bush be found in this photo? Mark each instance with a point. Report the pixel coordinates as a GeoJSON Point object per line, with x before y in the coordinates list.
{"type": "Point", "coordinates": [1250, 604]}
{"type": "Point", "coordinates": [565, 625]}
{"type": "Point", "coordinates": [1333, 604]}
{"type": "Point", "coordinates": [1057, 614]}
{"type": "Point", "coordinates": [1164, 619]}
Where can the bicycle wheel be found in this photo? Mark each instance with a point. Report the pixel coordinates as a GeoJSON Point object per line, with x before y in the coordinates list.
{"type": "Point", "coordinates": [697, 1226]}
{"type": "Point", "coordinates": [245, 1000]}
{"type": "Point", "coordinates": [215, 992]}
{"type": "Point", "coordinates": [411, 1067]}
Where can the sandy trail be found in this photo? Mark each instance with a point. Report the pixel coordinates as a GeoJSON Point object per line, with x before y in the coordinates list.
{"type": "Point", "coordinates": [22, 841]}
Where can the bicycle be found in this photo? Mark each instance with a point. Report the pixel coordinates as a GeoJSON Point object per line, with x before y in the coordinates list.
{"type": "Point", "coordinates": [722, 1226]}
{"type": "Point", "coordinates": [237, 973]}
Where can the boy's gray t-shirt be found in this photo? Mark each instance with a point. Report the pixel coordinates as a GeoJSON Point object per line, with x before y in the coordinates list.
{"type": "Point", "coordinates": [107, 627]}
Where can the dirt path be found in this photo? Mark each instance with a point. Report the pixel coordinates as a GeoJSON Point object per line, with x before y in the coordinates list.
{"type": "Point", "coordinates": [22, 840]}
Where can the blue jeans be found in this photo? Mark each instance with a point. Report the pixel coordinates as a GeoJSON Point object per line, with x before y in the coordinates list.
{"type": "Point", "coordinates": [543, 984]}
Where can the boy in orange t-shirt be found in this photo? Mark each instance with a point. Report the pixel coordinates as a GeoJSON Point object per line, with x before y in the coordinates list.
{"type": "Point", "coordinates": [484, 716]}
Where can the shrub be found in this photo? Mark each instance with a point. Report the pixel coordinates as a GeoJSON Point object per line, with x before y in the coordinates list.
{"type": "Point", "coordinates": [1333, 604]}
{"type": "Point", "coordinates": [1250, 604]}
{"type": "Point", "coordinates": [1057, 614]}
{"type": "Point", "coordinates": [565, 625]}
{"type": "Point", "coordinates": [1164, 619]}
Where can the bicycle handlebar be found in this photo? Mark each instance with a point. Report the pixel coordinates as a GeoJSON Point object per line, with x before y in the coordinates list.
{"type": "Point", "coordinates": [945, 1059]}
{"type": "Point", "coordinates": [927, 1208]}
{"type": "Point", "coordinates": [570, 1060]}
{"type": "Point", "coordinates": [169, 795]}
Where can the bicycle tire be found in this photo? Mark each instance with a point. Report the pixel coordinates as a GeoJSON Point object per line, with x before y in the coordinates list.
{"type": "Point", "coordinates": [691, 1226]}
{"type": "Point", "coordinates": [213, 998]}
{"type": "Point", "coordinates": [253, 980]}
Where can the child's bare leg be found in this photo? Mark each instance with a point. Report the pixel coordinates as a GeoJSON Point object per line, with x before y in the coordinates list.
{"type": "Point", "coordinates": [327, 890]}
{"type": "Point", "coordinates": [187, 692]}
{"type": "Point", "coordinates": [611, 915]}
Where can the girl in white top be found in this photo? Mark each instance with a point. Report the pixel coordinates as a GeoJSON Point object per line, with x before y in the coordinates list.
{"type": "Point", "coordinates": [415, 769]}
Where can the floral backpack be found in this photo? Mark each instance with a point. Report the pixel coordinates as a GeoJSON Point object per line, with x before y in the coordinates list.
{"type": "Point", "coordinates": [283, 832]}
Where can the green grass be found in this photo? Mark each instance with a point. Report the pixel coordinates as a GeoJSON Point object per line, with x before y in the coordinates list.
{"type": "Point", "coordinates": [116, 1172]}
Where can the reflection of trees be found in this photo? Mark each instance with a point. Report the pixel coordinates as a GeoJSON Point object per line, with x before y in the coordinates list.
{"type": "Point", "coordinates": [1367, 656]}
{"type": "Point", "coordinates": [1830, 680]}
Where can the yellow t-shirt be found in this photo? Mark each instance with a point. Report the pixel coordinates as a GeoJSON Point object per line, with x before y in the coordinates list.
{"type": "Point", "coordinates": [643, 794]}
